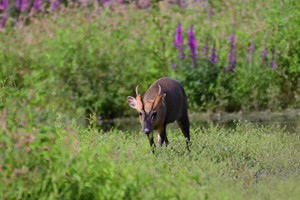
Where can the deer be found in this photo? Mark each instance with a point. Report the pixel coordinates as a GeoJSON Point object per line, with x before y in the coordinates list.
{"type": "Point", "coordinates": [164, 102]}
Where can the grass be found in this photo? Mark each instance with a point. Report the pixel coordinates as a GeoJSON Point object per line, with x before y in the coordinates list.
{"type": "Point", "coordinates": [65, 162]}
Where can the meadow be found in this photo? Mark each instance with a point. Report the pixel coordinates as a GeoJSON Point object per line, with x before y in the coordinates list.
{"type": "Point", "coordinates": [65, 66]}
{"type": "Point", "coordinates": [62, 161]}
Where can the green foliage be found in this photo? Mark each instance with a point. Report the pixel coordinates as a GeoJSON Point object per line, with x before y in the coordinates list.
{"type": "Point", "coordinates": [83, 63]}
{"type": "Point", "coordinates": [67, 162]}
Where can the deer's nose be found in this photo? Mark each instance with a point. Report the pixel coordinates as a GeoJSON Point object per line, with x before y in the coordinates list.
{"type": "Point", "coordinates": [147, 131]}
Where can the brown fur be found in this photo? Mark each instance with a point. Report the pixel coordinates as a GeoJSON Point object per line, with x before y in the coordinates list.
{"type": "Point", "coordinates": [164, 102]}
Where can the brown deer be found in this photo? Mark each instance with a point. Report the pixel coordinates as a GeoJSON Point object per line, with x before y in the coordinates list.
{"type": "Point", "coordinates": [164, 102]}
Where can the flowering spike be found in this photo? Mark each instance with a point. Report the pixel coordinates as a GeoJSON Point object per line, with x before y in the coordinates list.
{"type": "Point", "coordinates": [54, 4]}
{"type": "Point", "coordinates": [250, 53]}
{"type": "Point", "coordinates": [214, 56]}
{"type": "Point", "coordinates": [264, 54]}
{"type": "Point", "coordinates": [36, 5]}
{"type": "Point", "coordinates": [231, 40]}
{"type": "Point", "coordinates": [18, 5]}
{"type": "Point", "coordinates": [3, 20]}
{"type": "Point", "coordinates": [24, 5]}
{"type": "Point", "coordinates": [104, 2]}
{"type": "Point", "coordinates": [193, 45]}
{"type": "Point", "coordinates": [232, 56]}
{"type": "Point", "coordinates": [4, 5]}
{"type": "Point", "coordinates": [178, 42]}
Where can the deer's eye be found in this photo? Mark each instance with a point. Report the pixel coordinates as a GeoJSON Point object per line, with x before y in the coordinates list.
{"type": "Point", "coordinates": [141, 113]}
{"type": "Point", "coordinates": [154, 115]}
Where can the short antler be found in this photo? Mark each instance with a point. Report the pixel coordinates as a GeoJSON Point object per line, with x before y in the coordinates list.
{"type": "Point", "coordinates": [137, 90]}
{"type": "Point", "coordinates": [159, 90]}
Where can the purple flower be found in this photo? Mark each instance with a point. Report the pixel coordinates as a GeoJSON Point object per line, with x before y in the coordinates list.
{"type": "Point", "coordinates": [193, 45]}
{"type": "Point", "coordinates": [231, 40]}
{"type": "Point", "coordinates": [264, 54]}
{"type": "Point", "coordinates": [250, 53]}
{"type": "Point", "coordinates": [232, 56]}
{"type": "Point", "coordinates": [24, 5]}
{"type": "Point", "coordinates": [232, 61]}
{"type": "Point", "coordinates": [273, 64]}
{"type": "Point", "coordinates": [104, 2]}
{"type": "Point", "coordinates": [36, 5]}
{"type": "Point", "coordinates": [3, 20]}
{"type": "Point", "coordinates": [18, 4]}
{"type": "Point", "coordinates": [54, 4]}
{"type": "Point", "coordinates": [214, 56]}
{"type": "Point", "coordinates": [4, 5]}
{"type": "Point", "coordinates": [178, 42]}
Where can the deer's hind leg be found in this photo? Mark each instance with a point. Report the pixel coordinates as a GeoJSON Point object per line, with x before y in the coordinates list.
{"type": "Point", "coordinates": [184, 125]}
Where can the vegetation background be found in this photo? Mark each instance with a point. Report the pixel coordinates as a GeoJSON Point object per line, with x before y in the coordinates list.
{"type": "Point", "coordinates": [65, 65]}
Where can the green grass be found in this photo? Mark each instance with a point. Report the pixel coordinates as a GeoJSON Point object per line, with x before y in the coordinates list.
{"type": "Point", "coordinates": [64, 162]}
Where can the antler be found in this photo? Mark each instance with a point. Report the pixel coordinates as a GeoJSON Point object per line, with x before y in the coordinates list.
{"type": "Point", "coordinates": [159, 90]}
{"type": "Point", "coordinates": [137, 90]}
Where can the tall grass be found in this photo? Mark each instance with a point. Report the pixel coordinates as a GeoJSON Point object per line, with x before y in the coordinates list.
{"type": "Point", "coordinates": [67, 162]}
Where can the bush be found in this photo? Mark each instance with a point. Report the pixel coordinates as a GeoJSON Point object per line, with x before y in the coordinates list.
{"type": "Point", "coordinates": [76, 64]}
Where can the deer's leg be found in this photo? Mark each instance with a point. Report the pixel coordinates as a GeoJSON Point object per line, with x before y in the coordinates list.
{"type": "Point", "coordinates": [162, 137]}
{"type": "Point", "coordinates": [184, 125]}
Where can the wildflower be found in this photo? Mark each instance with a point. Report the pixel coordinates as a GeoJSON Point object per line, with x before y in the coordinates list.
{"type": "Point", "coordinates": [18, 4]}
{"type": "Point", "coordinates": [214, 56]}
{"type": "Point", "coordinates": [104, 2]}
{"type": "Point", "coordinates": [264, 54]}
{"type": "Point", "coordinates": [54, 4]}
{"type": "Point", "coordinates": [36, 5]}
{"type": "Point", "coordinates": [3, 20]}
{"type": "Point", "coordinates": [231, 40]}
{"type": "Point", "coordinates": [24, 5]}
{"type": "Point", "coordinates": [4, 5]}
{"type": "Point", "coordinates": [193, 45]}
{"type": "Point", "coordinates": [178, 42]}
{"type": "Point", "coordinates": [250, 53]}
{"type": "Point", "coordinates": [232, 56]}
{"type": "Point", "coordinates": [232, 61]}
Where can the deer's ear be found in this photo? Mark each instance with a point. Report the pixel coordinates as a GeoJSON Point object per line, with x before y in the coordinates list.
{"type": "Point", "coordinates": [135, 103]}
{"type": "Point", "coordinates": [132, 102]}
{"type": "Point", "coordinates": [158, 100]}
